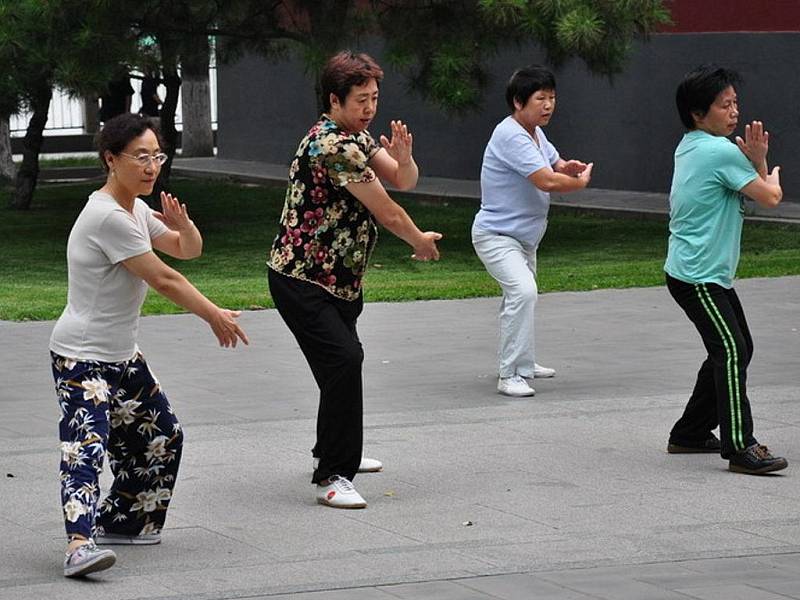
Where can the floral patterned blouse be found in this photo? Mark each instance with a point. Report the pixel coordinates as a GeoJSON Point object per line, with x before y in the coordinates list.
{"type": "Point", "coordinates": [326, 235]}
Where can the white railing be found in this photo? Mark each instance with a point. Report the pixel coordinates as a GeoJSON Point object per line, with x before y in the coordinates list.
{"type": "Point", "coordinates": [66, 114]}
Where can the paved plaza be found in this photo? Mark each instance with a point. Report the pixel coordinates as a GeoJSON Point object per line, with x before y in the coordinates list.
{"type": "Point", "coordinates": [569, 495]}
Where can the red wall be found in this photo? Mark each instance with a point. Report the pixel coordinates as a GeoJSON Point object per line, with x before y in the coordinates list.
{"type": "Point", "coordinates": [695, 16]}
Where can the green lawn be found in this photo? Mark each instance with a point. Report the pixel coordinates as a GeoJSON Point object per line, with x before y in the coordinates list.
{"type": "Point", "coordinates": [238, 223]}
{"type": "Point", "coordinates": [72, 161]}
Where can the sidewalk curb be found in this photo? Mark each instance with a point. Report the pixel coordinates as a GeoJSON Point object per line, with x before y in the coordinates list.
{"type": "Point", "coordinates": [435, 190]}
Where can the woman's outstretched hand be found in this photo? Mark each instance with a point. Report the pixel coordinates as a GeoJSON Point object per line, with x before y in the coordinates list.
{"type": "Point", "coordinates": [573, 168]}
{"type": "Point", "coordinates": [227, 329]}
{"type": "Point", "coordinates": [426, 248]}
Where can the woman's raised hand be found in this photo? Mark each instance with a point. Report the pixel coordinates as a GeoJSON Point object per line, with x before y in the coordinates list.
{"type": "Point", "coordinates": [586, 174]}
{"type": "Point", "coordinates": [400, 146]}
{"type": "Point", "coordinates": [755, 143]}
{"type": "Point", "coordinates": [173, 214]}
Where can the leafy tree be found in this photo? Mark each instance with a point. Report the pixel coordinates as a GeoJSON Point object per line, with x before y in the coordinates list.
{"type": "Point", "coordinates": [78, 45]}
{"type": "Point", "coordinates": [49, 43]}
{"type": "Point", "coordinates": [180, 30]}
{"type": "Point", "coordinates": [442, 45]}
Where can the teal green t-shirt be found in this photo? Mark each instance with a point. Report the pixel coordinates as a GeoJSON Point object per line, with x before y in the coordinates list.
{"type": "Point", "coordinates": [706, 209]}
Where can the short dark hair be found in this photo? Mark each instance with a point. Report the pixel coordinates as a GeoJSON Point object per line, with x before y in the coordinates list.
{"type": "Point", "coordinates": [525, 82]}
{"type": "Point", "coordinates": [344, 70]}
{"type": "Point", "coordinates": [119, 131]}
{"type": "Point", "coordinates": [699, 88]}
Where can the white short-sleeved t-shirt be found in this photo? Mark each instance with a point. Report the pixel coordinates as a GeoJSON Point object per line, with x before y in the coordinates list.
{"type": "Point", "coordinates": [510, 203]}
{"type": "Point", "coordinates": [101, 319]}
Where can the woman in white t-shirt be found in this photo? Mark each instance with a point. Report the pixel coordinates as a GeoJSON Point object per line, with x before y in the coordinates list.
{"type": "Point", "coordinates": [520, 168]}
{"type": "Point", "coordinates": [110, 401]}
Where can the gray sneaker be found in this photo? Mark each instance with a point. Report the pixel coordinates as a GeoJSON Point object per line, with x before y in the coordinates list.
{"type": "Point", "coordinates": [123, 539]}
{"type": "Point", "coordinates": [86, 559]}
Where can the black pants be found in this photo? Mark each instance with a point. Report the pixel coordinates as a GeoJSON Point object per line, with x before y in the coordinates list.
{"type": "Point", "coordinates": [720, 393]}
{"type": "Point", "coordinates": [325, 328]}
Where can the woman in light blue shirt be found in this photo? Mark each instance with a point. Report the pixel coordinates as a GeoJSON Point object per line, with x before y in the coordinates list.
{"type": "Point", "coordinates": [520, 169]}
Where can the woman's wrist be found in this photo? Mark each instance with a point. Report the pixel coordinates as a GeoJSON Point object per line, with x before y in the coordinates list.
{"type": "Point", "coordinates": [406, 163]}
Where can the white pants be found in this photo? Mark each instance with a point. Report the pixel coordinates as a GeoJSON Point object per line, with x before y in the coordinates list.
{"type": "Point", "coordinates": [513, 264]}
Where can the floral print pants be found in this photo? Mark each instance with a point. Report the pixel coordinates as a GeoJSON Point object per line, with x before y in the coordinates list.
{"type": "Point", "coordinates": [116, 409]}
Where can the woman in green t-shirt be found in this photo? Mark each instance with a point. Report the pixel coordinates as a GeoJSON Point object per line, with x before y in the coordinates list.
{"type": "Point", "coordinates": [706, 214]}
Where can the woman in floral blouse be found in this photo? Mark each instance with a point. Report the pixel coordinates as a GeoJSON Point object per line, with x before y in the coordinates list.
{"type": "Point", "coordinates": [327, 233]}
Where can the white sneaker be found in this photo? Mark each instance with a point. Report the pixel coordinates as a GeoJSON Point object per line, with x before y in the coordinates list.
{"type": "Point", "coordinates": [339, 493]}
{"type": "Point", "coordinates": [370, 465]}
{"type": "Point", "coordinates": [514, 386]}
{"type": "Point", "coordinates": [541, 372]}
{"type": "Point", "coordinates": [367, 465]}
{"type": "Point", "coordinates": [121, 539]}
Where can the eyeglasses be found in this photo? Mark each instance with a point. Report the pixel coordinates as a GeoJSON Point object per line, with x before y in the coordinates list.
{"type": "Point", "coordinates": [144, 160]}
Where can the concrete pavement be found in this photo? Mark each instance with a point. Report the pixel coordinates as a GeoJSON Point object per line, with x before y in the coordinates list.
{"type": "Point", "coordinates": [565, 496]}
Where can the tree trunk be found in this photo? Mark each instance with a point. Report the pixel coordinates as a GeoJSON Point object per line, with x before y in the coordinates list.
{"type": "Point", "coordinates": [91, 120]}
{"type": "Point", "coordinates": [28, 173]}
{"type": "Point", "coordinates": [167, 115]}
{"type": "Point", "coordinates": [8, 171]}
{"type": "Point", "coordinates": [197, 138]}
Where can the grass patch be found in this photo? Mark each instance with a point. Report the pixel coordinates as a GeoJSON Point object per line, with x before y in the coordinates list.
{"type": "Point", "coordinates": [70, 161]}
{"type": "Point", "coordinates": [238, 223]}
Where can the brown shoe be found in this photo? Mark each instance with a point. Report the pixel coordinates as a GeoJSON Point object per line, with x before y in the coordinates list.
{"type": "Point", "coordinates": [707, 446]}
{"type": "Point", "coordinates": [756, 460]}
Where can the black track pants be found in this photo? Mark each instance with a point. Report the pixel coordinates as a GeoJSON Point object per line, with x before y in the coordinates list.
{"type": "Point", "coordinates": [720, 392]}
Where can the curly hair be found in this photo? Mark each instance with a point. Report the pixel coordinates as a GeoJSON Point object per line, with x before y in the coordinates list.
{"type": "Point", "coordinates": [344, 70]}
{"type": "Point", "coordinates": [120, 131]}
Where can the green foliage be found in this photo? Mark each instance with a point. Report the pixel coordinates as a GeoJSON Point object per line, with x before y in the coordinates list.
{"type": "Point", "coordinates": [442, 45]}
{"type": "Point", "coordinates": [598, 32]}
{"type": "Point", "coordinates": [503, 13]}
{"type": "Point", "coordinates": [579, 30]}
{"type": "Point", "coordinates": [73, 44]}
